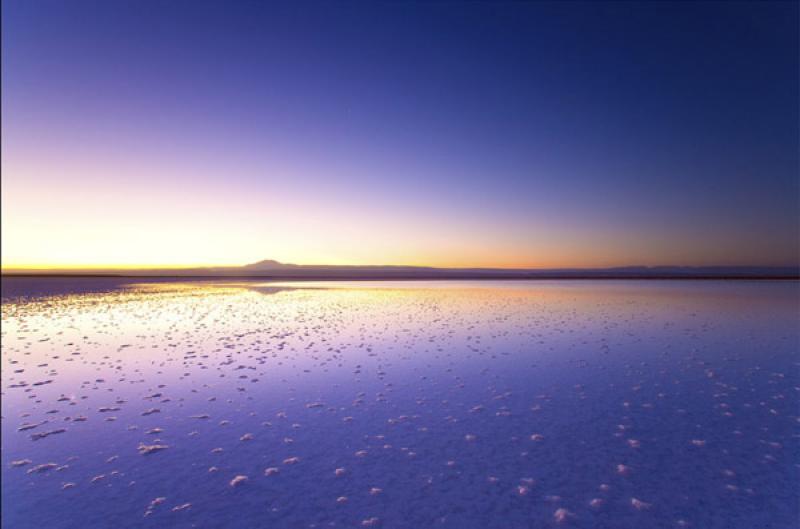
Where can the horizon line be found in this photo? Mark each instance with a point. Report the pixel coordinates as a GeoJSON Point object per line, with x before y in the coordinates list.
{"type": "Point", "coordinates": [273, 270]}
{"type": "Point", "coordinates": [278, 264]}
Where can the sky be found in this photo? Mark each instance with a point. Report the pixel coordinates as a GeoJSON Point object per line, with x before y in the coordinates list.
{"type": "Point", "coordinates": [181, 133]}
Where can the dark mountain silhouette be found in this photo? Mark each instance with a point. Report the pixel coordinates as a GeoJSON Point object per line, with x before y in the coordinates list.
{"type": "Point", "coordinates": [272, 269]}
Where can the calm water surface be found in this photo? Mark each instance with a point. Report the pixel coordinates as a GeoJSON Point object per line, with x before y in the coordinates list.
{"type": "Point", "coordinates": [411, 404]}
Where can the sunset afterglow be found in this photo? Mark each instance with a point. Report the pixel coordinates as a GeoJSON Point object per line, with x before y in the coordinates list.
{"type": "Point", "coordinates": [260, 139]}
{"type": "Point", "coordinates": [393, 265]}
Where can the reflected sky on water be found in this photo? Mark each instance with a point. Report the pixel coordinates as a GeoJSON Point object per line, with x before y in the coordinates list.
{"type": "Point", "coordinates": [401, 404]}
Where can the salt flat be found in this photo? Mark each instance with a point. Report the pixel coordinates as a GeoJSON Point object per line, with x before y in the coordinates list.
{"type": "Point", "coordinates": [401, 404]}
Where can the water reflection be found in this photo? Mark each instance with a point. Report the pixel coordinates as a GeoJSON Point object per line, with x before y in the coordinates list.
{"type": "Point", "coordinates": [403, 404]}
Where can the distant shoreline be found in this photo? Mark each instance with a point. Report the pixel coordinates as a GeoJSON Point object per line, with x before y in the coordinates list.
{"type": "Point", "coordinates": [389, 277]}
{"type": "Point", "coordinates": [271, 270]}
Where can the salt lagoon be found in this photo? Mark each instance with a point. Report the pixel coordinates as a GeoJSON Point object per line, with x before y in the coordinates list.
{"type": "Point", "coordinates": [454, 404]}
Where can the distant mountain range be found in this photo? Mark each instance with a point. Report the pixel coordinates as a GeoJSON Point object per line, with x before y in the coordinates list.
{"type": "Point", "coordinates": [276, 270]}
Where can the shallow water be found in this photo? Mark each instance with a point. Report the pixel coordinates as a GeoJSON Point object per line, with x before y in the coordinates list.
{"type": "Point", "coordinates": [442, 404]}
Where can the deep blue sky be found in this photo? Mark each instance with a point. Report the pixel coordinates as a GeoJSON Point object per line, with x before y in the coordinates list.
{"type": "Point", "coordinates": [520, 134]}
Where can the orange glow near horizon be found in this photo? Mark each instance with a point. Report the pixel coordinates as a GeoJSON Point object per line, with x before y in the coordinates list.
{"type": "Point", "coordinates": [168, 220]}
{"type": "Point", "coordinates": [127, 224]}
{"type": "Point", "coordinates": [501, 150]}
{"type": "Point", "coordinates": [94, 229]}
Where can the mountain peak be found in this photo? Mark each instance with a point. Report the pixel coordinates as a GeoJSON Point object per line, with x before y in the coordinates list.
{"type": "Point", "coordinates": [267, 264]}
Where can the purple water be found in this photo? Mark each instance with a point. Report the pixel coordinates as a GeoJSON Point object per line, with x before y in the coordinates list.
{"type": "Point", "coordinates": [620, 404]}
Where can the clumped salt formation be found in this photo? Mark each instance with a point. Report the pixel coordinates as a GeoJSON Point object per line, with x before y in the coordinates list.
{"type": "Point", "coordinates": [238, 480]}
{"type": "Point", "coordinates": [28, 426]}
{"type": "Point", "coordinates": [153, 504]}
{"type": "Point", "coordinates": [562, 515]}
{"type": "Point", "coordinates": [151, 449]}
{"type": "Point", "coordinates": [42, 435]}
{"type": "Point", "coordinates": [453, 405]}
{"type": "Point", "coordinates": [44, 467]}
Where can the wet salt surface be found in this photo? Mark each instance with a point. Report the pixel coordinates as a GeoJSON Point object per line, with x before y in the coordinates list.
{"type": "Point", "coordinates": [416, 404]}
